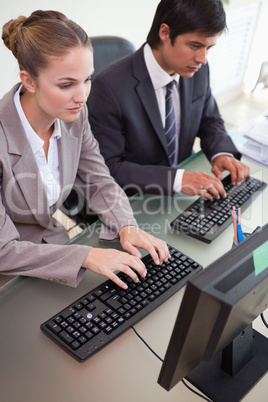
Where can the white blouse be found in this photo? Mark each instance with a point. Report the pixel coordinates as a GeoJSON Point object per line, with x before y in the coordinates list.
{"type": "Point", "coordinates": [48, 168]}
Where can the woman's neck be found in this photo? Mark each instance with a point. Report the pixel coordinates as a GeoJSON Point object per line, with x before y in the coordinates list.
{"type": "Point", "coordinates": [42, 124]}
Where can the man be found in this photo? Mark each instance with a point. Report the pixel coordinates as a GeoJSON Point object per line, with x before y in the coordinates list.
{"type": "Point", "coordinates": [141, 137]}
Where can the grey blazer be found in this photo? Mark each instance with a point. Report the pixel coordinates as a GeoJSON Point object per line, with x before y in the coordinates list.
{"type": "Point", "coordinates": [31, 241]}
{"type": "Point", "coordinates": [125, 119]}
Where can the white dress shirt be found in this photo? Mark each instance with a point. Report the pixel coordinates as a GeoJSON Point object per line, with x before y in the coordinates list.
{"type": "Point", "coordinates": [160, 78]}
{"type": "Point", "coordinates": [48, 168]}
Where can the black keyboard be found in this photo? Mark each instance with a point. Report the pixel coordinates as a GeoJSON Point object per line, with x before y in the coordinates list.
{"type": "Point", "coordinates": [100, 316]}
{"type": "Point", "coordinates": [205, 219]}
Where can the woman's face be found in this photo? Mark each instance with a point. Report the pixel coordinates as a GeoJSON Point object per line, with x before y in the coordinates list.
{"type": "Point", "coordinates": [61, 89]}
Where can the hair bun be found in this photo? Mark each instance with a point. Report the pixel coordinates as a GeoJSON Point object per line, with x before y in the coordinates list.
{"type": "Point", "coordinates": [43, 34]}
{"type": "Point", "coordinates": [9, 33]}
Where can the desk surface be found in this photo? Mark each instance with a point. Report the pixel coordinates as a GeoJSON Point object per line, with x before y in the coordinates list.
{"type": "Point", "coordinates": [33, 368]}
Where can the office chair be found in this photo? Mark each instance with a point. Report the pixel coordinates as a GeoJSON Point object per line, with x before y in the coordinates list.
{"type": "Point", "coordinates": [107, 49]}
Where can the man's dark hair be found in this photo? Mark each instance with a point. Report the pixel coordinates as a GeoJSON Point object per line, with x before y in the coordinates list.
{"type": "Point", "coordinates": [183, 16]}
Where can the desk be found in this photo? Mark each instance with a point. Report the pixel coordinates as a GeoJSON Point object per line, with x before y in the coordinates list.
{"type": "Point", "coordinates": [34, 369]}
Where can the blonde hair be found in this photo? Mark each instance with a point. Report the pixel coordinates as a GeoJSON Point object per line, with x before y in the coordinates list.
{"type": "Point", "coordinates": [43, 34]}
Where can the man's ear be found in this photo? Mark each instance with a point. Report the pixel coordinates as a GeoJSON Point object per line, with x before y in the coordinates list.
{"type": "Point", "coordinates": [27, 81]}
{"type": "Point", "coordinates": [164, 32]}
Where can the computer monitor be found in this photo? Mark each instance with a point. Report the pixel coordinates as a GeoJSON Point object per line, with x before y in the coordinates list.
{"type": "Point", "coordinates": [213, 344]}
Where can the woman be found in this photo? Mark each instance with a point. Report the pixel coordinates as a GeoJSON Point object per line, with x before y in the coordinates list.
{"type": "Point", "coordinates": [46, 147]}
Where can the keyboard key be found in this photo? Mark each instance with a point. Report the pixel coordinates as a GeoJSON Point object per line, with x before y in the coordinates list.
{"type": "Point", "coordinates": [54, 327]}
{"type": "Point", "coordinates": [114, 303]}
{"type": "Point", "coordinates": [66, 337]}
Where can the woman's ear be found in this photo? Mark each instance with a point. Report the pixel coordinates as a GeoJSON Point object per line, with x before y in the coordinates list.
{"type": "Point", "coordinates": [27, 81]}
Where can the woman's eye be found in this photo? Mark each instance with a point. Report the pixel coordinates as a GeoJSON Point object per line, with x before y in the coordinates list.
{"type": "Point", "coordinates": [64, 86]}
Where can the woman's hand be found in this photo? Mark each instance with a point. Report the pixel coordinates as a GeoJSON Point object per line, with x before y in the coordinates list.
{"type": "Point", "coordinates": [107, 261]}
{"type": "Point", "coordinates": [132, 237]}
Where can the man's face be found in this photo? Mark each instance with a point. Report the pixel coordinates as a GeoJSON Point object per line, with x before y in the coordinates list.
{"type": "Point", "coordinates": [187, 54]}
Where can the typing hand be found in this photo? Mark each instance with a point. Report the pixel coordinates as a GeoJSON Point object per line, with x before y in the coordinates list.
{"type": "Point", "coordinates": [132, 237]}
{"type": "Point", "coordinates": [106, 261]}
{"type": "Point", "coordinates": [237, 169]}
{"type": "Point", "coordinates": [203, 184]}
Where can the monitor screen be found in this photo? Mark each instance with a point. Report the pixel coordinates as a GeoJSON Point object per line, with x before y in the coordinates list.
{"type": "Point", "coordinates": [213, 344]}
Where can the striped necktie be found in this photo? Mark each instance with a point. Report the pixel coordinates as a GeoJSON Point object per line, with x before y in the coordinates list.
{"type": "Point", "coordinates": [170, 126]}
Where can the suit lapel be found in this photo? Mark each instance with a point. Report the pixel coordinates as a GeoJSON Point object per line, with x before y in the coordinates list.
{"type": "Point", "coordinates": [147, 96]}
{"type": "Point", "coordinates": [27, 175]}
{"type": "Point", "coordinates": [185, 102]}
{"type": "Point", "coordinates": [31, 185]}
{"type": "Point", "coordinates": [25, 170]}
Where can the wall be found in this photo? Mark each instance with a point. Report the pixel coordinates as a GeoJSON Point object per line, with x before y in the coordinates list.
{"type": "Point", "coordinates": [128, 18]}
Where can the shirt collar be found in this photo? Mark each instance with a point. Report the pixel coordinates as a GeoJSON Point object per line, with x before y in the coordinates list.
{"type": "Point", "coordinates": [159, 77]}
{"type": "Point", "coordinates": [35, 141]}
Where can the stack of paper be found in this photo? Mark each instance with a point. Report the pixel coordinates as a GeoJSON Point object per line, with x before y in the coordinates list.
{"type": "Point", "coordinates": [255, 144]}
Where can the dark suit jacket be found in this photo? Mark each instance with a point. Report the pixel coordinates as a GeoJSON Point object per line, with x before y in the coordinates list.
{"type": "Point", "coordinates": [125, 119]}
{"type": "Point", "coordinates": [26, 220]}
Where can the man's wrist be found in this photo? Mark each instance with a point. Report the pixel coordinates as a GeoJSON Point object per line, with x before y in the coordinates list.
{"type": "Point", "coordinates": [220, 154]}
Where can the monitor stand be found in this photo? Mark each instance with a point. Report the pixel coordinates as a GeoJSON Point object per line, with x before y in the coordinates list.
{"type": "Point", "coordinates": [235, 371]}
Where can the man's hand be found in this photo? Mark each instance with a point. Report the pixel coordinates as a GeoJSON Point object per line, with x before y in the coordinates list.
{"type": "Point", "coordinates": [203, 184]}
{"type": "Point", "coordinates": [237, 169]}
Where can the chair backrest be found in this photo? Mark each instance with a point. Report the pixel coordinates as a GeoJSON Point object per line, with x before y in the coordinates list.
{"type": "Point", "coordinates": [108, 49]}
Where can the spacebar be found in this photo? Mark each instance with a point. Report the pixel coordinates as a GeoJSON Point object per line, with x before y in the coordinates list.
{"type": "Point", "coordinates": [114, 303]}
